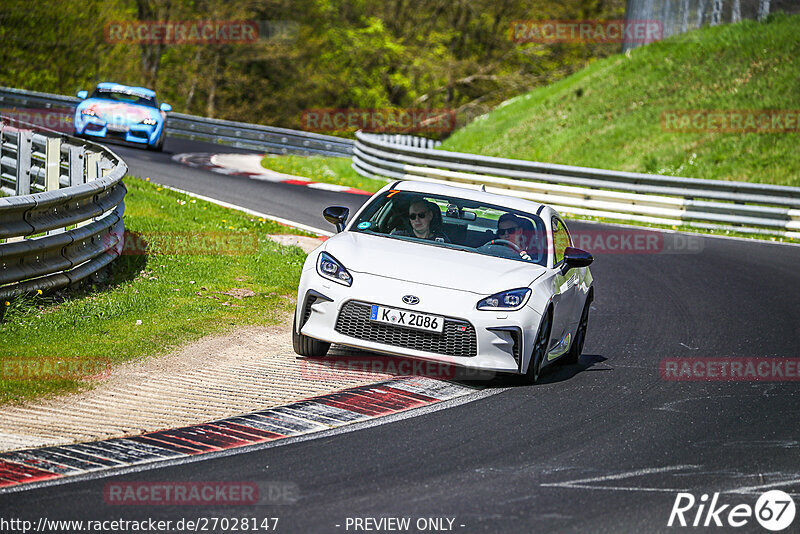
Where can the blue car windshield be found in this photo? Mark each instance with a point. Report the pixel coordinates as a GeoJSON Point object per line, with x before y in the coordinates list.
{"type": "Point", "coordinates": [456, 223]}
{"type": "Point", "coordinates": [128, 98]}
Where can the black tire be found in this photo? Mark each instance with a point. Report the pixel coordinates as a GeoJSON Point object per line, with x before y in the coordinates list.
{"type": "Point", "coordinates": [308, 346]}
{"type": "Point", "coordinates": [539, 349]}
{"type": "Point", "coordinates": [575, 351]}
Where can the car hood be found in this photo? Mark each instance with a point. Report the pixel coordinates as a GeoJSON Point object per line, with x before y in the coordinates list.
{"type": "Point", "coordinates": [119, 112]}
{"type": "Point", "coordinates": [430, 264]}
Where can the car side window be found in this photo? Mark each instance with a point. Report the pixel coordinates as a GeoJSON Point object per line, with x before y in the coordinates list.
{"type": "Point", "coordinates": [561, 240]}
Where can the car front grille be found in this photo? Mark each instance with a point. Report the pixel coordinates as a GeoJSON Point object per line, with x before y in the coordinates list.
{"type": "Point", "coordinates": [457, 339]}
{"type": "Point", "coordinates": [122, 136]}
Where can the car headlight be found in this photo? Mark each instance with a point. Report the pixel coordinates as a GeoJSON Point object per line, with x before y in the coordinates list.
{"type": "Point", "coordinates": [89, 112]}
{"type": "Point", "coordinates": [329, 267]}
{"type": "Point", "coordinates": [510, 300]}
{"type": "Point", "coordinates": [150, 122]}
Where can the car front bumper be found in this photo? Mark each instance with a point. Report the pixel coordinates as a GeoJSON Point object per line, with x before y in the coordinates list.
{"type": "Point", "coordinates": [336, 313]}
{"type": "Point", "coordinates": [137, 133]}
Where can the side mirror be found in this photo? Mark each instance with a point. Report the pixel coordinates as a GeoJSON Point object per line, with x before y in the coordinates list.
{"type": "Point", "coordinates": [83, 95]}
{"type": "Point", "coordinates": [165, 107]}
{"type": "Point", "coordinates": [336, 215]}
{"type": "Point", "coordinates": [575, 257]}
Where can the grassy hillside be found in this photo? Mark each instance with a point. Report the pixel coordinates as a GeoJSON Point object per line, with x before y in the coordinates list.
{"type": "Point", "coordinates": [609, 114]}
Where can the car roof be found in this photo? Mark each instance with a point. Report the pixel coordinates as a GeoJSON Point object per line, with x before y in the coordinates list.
{"type": "Point", "coordinates": [138, 91]}
{"type": "Point", "coordinates": [468, 193]}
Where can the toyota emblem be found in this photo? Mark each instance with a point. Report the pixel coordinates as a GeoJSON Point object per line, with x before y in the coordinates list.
{"type": "Point", "coordinates": [411, 299]}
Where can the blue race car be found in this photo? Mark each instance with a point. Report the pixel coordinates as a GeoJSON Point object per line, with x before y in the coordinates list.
{"type": "Point", "coordinates": [122, 113]}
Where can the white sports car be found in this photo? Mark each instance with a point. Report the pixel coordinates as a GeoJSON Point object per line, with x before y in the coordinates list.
{"type": "Point", "coordinates": [447, 274]}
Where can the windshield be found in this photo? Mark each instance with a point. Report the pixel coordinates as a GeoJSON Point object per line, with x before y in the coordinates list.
{"type": "Point", "coordinates": [128, 98]}
{"type": "Point", "coordinates": [456, 223]}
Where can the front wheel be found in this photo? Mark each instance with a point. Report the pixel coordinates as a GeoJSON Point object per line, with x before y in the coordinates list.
{"type": "Point", "coordinates": [574, 354]}
{"type": "Point", "coordinates": [539, 349]}
{"type": "Point", "coordinates": [308, 346]}
{"type": "Point", "coordinates": [158, 147]}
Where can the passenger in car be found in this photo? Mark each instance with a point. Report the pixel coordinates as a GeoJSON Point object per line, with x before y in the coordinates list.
{"type": "Point", "coordinates": [424, 222]}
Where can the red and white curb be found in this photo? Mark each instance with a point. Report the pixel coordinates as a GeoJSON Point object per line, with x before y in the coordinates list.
{"type": "Point", "coordinates": [316, 414]}
{"type": "Point", "coordinates": [249, 165]}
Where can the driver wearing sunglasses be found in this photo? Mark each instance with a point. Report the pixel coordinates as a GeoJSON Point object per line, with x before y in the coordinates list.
{"type": "Point", "coordinates": [423, 222]}
{"type": "Point", "coordinates": [511, 228]}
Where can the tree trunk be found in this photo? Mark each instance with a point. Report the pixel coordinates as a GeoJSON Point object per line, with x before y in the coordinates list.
{"type": "Point", "coordinates": [193, 86]}
{"type": "Point", "coordinates": [212, 91]}
{"type": "Point", "coordinates": [736, 12]}
{"type": "Point", "coordinates": [151, 53]}
{"type": "Point", "coordinates": [716, 12]}
{"type": "Point", "coordinates": [763, 9]}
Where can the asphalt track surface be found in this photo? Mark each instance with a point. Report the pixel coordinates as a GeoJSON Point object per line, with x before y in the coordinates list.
{"type": "Point", "coordinates": [603, 446]}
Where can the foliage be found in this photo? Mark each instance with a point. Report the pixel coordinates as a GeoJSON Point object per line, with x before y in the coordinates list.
{"type": "Point", "coordinates": [453, 54]}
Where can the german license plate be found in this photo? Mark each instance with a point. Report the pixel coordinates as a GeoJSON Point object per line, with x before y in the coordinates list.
{"type": "Point", "coordinates": [118, 128]}
{"type": "Point", "coordinates": [409, 319]}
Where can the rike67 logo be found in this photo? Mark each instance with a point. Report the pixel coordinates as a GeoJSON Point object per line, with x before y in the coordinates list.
{"type": "Point", "coordinates": [774, 510]}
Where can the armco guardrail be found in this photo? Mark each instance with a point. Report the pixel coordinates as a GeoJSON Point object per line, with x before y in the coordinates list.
{"type": "Point", "coordinates": [238, 134]}
{"type": "Point", "coordinates": [709, 204]}
{"type": "Point", "coordinates": [63, 220]}
{"type": "Point", "coordinates": [257, 137]}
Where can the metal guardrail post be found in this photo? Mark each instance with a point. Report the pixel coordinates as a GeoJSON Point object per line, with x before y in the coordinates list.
{"type": "Point", "coordinates": [77, 165]}
{"type": "Point", "coordinates": [52, 170]}
{"type": "Point", "coordinates": [52, 167]}
{"type": "Point", "coordinates": [92, 169]}
{"type": "Point", "coordinates": [24, 147]}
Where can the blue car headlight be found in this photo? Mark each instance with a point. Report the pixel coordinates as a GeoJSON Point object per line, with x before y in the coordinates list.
{"type": "Point", "coordinates": [511, 300]}
{"type": "Point", "coordinates": [149, 122]}
{"type": "Point", "coordinates": [89, 112]}
{"type": "Point", "coordinates": [329, 267]}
